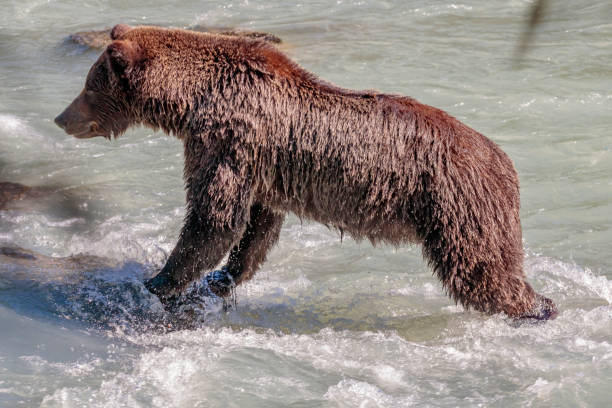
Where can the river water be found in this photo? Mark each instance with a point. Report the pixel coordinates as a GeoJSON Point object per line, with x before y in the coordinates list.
{"type": "Point", "coordinates": [325, 322]}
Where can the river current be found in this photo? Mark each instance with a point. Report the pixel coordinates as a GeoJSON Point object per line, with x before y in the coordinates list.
{"type": "Point", "coordinates": [326, 322]}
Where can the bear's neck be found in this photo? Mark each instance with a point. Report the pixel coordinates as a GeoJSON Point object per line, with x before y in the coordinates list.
{"type": "Point", "coordinates": [260, 104]}
{"type": "Point", "coordinates": [169, 115]}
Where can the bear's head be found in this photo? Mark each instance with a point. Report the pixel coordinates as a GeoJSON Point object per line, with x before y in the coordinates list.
{"type": "Point", "coordinates": [103, 106]}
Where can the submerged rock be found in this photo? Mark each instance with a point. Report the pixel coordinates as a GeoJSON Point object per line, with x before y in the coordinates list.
{"type": "Point", "coordinates": [20, 263]}
{"type": "Point", "coordinates": [10, 192]}
{"type": "Point", "coordinates": [101, 292]}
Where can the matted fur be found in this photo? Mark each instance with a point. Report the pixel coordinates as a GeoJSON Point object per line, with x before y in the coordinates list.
{"type": "Point", "coordinates": [263, 137]}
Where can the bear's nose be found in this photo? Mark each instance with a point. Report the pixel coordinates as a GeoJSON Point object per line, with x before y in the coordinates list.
{"type": "Point", "coordinates": [60, 121]}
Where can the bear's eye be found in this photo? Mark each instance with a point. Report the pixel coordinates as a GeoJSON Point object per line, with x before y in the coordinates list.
{"type": "Point", "coordinates": [97, 78]}
{"type": "Point", "coordinates": [101, 71]}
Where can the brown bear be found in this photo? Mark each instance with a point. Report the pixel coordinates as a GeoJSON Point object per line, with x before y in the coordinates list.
{"type": "Point", "coordinates": [263, 137]}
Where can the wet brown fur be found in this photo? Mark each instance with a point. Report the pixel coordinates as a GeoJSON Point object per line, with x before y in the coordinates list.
{"type": "Point", "coordinates": [102, 38]}
{"type": "Point", "coordinates": [263, 137]}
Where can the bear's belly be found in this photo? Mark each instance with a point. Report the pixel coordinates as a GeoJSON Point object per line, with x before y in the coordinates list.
{"type": "Point", "coordinates": [346, 212]}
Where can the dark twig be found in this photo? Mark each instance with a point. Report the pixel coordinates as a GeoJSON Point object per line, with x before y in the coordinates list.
{"type": "Point", "coordinates": [535, 17]}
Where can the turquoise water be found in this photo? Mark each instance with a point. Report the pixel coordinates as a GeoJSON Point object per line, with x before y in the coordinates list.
{"type": "Point", "coordinates": [325, 322]}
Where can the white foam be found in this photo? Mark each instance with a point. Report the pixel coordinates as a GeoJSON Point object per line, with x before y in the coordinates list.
{"type": "Point", "coordinates": [389, 375]}
{"type": "Point", "coordinates": [184, 367]}
{"type": "Point", "coordinates": [352, 393]}
{"type": "Point", "coordinates": [119, 239]}
{"type": "Point", "coordinates": [582, 277]}
{"type": "Point", "coordinates": [427, 289]}
{"type": "Point", "coordinates": [348, 368]}
{"type": "Point", "coordinates": [261, 286]}
{"type": "Point", "coordinates": [11, 124]}
{"type": "Point", "coordinates": [76, 369]}
{"type": "Point", "coordinates": [542, 388]}
{"type": "Point", "coordinates": [23, 135]}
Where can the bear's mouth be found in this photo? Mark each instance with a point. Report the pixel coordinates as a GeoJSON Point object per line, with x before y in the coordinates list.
{"type": "Point", "coordinates": [91, 130]}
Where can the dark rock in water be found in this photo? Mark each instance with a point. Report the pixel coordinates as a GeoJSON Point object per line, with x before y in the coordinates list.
{"type": "Point", "coordinates": [101, 38]}
{"type": "Point", "coordinates": [21, 263]}
{"type": "Point", "coordinates": [93, 39]}
{"type": "Point", "coordinates": [14, 192]}
{"type": "Point", "coordinates": [11, 192]}
{"type": "Point", "coordinates": [101, 292]}
{"type": "Point", "coordinates": [64, 201]}
{"type": "Point", "coordinates": [19, 253]}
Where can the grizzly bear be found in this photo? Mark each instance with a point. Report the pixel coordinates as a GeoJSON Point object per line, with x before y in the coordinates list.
{"type": "Point", "coordinates": [263, 137]}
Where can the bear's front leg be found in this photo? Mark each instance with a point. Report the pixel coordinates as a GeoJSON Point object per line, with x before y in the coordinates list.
{"type": "Point", "coordinates": [261, 234]}
{"type": "Point", "coordinates": [217, 215]}
{"type": "Point", "coordinates": [200, 248]}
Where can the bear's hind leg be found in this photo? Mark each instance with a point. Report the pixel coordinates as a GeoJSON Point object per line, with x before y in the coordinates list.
{"type": "Point", "coordinates": [261, 234]}
{"type": "Point", "coordinates": [492, 287]}
{"type": "Point", "coordinates": [486, 275]}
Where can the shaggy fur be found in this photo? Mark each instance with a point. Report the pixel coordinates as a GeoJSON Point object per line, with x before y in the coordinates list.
{"type": "Point", "coordinates": [263, 137]}
{"type": "Point", "coordinates": [102, 38]}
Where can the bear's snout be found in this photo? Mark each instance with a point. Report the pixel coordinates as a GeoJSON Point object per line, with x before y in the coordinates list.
{"type": "Point", "coordinates": [61, 121]}
{"type": "Point", "coordinates": [77, 121]}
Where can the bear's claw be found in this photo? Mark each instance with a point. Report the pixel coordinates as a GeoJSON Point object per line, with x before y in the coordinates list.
{"type": "Point", "coordinates": [543, 309]}
{"type": "Point", "coordinates": [161, 286]}
{"type": "Point", "coordinates": [220, 282]}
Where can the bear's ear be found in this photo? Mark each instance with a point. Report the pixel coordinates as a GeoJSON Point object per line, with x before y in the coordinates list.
{"type": "Point", "coordinates": [123, 55]}
{"type": "Point", "coordinates": [119, 30]}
